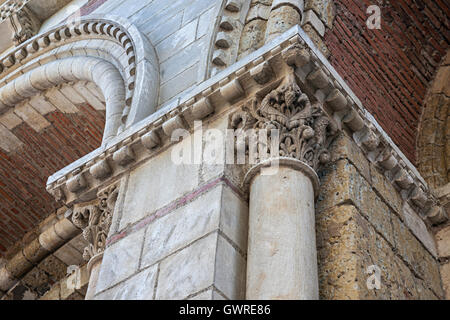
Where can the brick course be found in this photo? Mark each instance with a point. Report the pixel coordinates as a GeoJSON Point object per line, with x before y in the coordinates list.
{"type": "Point", "coordinates": [390, 69]}
{"type": "Point", "coordinates": [24, 172]}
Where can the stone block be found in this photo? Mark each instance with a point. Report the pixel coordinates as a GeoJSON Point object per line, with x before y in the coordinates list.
{"type": "Point", "coordinates": [34, 252]}
{"type": "Point", "coordinates": [415, 223]}
{"type": "Point", "coordinates": [53, 293]}
{"type": "Point", "coordinates": [53, 267]}
{"type": "Point", "coordinates": [204, 23]}
{"type": "Point", "coordinates": [18, 265]}
{"type": "Point", "coordinates": [337, 254]}
{"type": "Point", "coordinates": [31, 117]}
{"type": "Point", "coordinates": [8, 141]}
{"type": "Point", "coordinates": [234, 218]}
{"type": "Point", "coordinates": [341, 182]}
{"type": "Point", "coordinates": [69, 255]}
{"type": "Point", "coordinates": [210, 294]}
{"type": "Point", "coordinates": [177, 41]}
{"type": "Point", "coordinates": [230, 270]}
{"type": "Point", "coordinates": [184, 225]}
{"type": "Point", "coordinates": [10, 120]}
{"type": "Point", "coordinates": [445, 274]}
{"type": "Point", "coordinates": [416, 256]}
{"type": "Point", "coordinates": [179, 83]}
{"type": "Point", "coordinates": [218, 208]}
{"type": "Point", "coordinates": [345, 148]}
{"type": "Point", "coordinates": [120, 260]}
{"type": "Point", "coordinates": [156, 184]}
{"type": "Point", "coordinates": [182, 60]}
{"type": "Point", "coordinates": [139, 287]}
{"type": "Point", "coordinates": [188, 271]}
{"type": "Point", "coordinates": [196, 8]}
{"type": "Point", "coordinates": [37, 280]}
{"type": "Point", "coordinates": [386, 190]}
{"type": "Point", "coordinates": [171, 25]}
{"type": "Point", "coordinates": [443, 242]}
{"type": "Point", "coordinates": [324, 9]}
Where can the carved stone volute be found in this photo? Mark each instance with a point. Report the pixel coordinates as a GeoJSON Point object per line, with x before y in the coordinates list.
{"type": "Point", "coordinates": [95, 220]}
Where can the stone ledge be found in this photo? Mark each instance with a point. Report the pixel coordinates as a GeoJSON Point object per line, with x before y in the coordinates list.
{"type": "Point", "coordinates": [232, 86]}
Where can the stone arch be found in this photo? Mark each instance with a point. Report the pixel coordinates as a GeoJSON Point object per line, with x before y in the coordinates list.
{"type": "Point", "coordinates": [433, 142]}
{"type": "Point", "coordinates": [106, 50]}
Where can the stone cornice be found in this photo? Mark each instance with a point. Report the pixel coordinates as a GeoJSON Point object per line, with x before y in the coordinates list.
{"type": "Point", "coordinates": [256, 74]}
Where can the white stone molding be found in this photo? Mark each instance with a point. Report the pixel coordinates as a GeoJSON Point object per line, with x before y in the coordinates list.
{"type": "Point", "coordinates": [246, 78]}
{"type": "Point", "coordinates": [131, 53]}
{"type": "Point", "coordinates": [67, 70]}
{"type": "Point", "coordinates": [226, 37]}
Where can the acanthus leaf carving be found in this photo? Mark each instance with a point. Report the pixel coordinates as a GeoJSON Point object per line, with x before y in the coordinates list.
{"type": "Point", "coordinates": [95, 221]}
{"type": "Point", "coordinates": [304, 130]}
{"type": "Point", "coordinates": [25, 25]}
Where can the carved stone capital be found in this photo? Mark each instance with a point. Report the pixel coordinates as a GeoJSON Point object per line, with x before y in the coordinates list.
{"type": "Point", "coordinates": [95, 220]}
{"type": "Point", "coordinates": [25, 25]}
{"type": "Point", "coordinates": [296, 128]}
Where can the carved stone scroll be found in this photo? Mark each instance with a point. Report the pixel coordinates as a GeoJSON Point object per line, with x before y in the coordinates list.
{"type": "Point", "coordinates": [95, 220]}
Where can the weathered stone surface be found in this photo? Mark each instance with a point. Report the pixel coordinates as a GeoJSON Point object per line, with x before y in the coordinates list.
{"type": "Point", "coordinates": [189, 270]}
{"type": "Point", "coordinates": [280, 20]}
{"type": "Point", "coordinates": [317, 39]}
{"type": "Point", "coordinates": [37, 279]}
{"type": "Point", "coordinates": [252, 37]}
{"type": "Point", "coordinates": [18, 265]}
{"type": "Point", "coordinates": [282, 261]}
{"type": "Point", "coordinates": [324, 9]}
{"type": "Point", "coordinates": [416, 256]}
{"type": "Point", "coordinates": [341, 182]}
{"type": "Point", "coordinates": [34, 252]}
{"type": "Point", "coordinates": [184, 225]}
{"type": "Point", "coordinates": [157, 178]}
{"type": "Point", "coordinates": [234, 218]}
{"type": "Point", "coordinates": [415, 223]}
{"type": "Point", "coordinates": [348, 245]}
{"type": "Point", "coordinates": [443, 242]}
{"type": "Point", "coordinates": [442, 81]}
{"type": "Point", "coordinates": [69, 255]}
{"type": "Point", "coordinates": [445, 274]}
{"type": "Point", "coordinates": [53, 267]}
{"type": "Point", "coordinates": [386, 190]}
{"type": "Point", "coordinates": [53, 293]}
{"type": "Point", "coordinates": [139, 287]}
{"type": "Point", "coordinates": [229, 275]}
{"type": "Point", "coordinates": [120, 260]}
{"type": "Point", "coordinates": [344, 148]}
{"type": "Point", "coordinates": [210, 294]}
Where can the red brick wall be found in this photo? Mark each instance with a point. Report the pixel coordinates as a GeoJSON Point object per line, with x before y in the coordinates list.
{"type": "Point", "coordinates": [24, 201]}
{"type": "Point", "coordinates": [390, 69]}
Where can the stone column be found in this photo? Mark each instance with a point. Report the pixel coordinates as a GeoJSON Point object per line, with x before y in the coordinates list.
{"type": "Point", "coordinates": [284, 14]}
{"type": "Point", "coordinates": [282, 261]}
{"type": "Point", "coordinates": [95, 220]}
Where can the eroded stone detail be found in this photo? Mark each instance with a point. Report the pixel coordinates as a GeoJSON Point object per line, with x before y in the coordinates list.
{"type": "Point", "coordinates": [25, 26]}
{"type": "Point", "coordinates": [95, 221]}
{"type": "Point", "coordinates": [304, 130]}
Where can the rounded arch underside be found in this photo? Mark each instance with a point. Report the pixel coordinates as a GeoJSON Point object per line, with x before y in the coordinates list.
{"type": "Point", "coordinates": [433, 143]}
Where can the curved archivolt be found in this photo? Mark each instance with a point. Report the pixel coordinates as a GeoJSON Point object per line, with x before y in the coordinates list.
{"type": "Point", "coordinates": [433, 143]}
{"type": "Point", "coordinates": [108, 51]}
